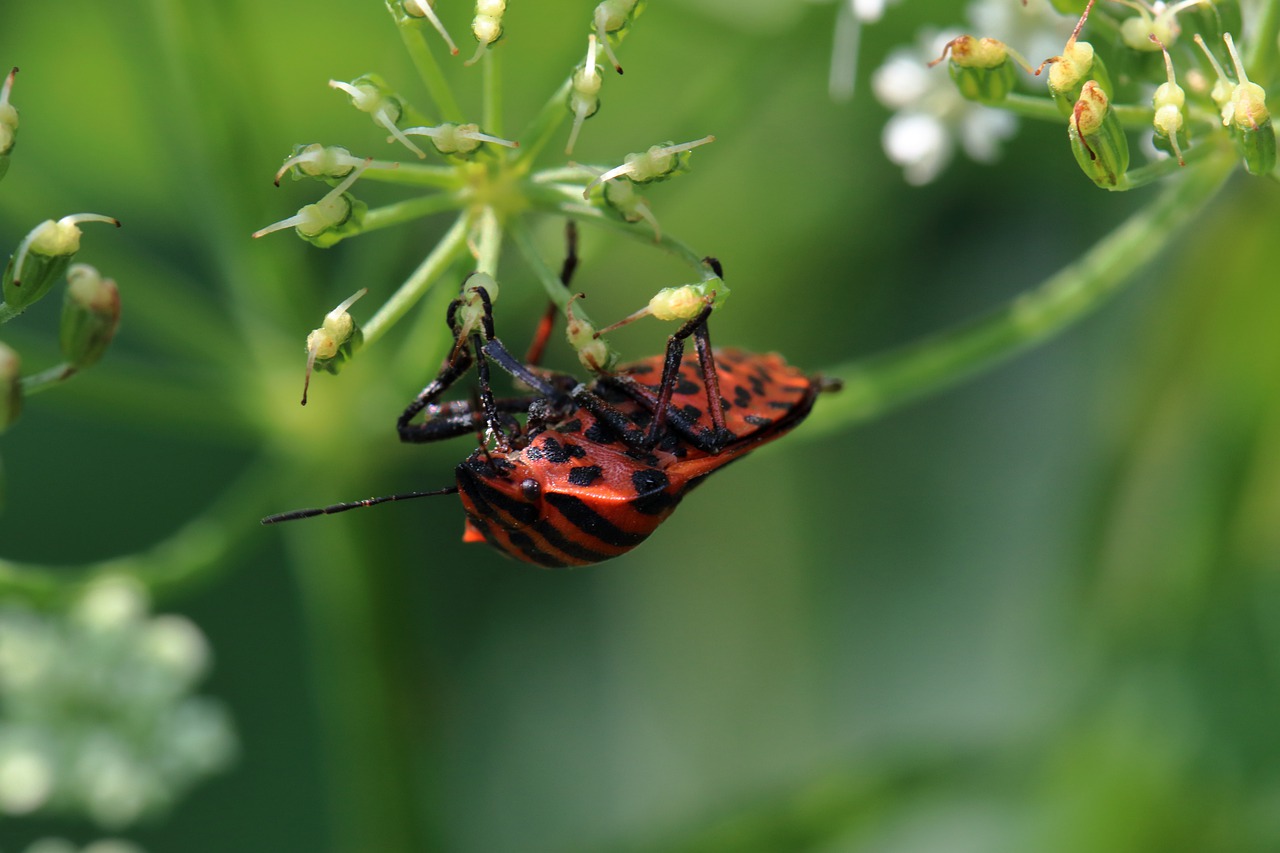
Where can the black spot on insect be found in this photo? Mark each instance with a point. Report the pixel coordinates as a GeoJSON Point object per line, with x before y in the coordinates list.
{"type": "Point", "coordinates": [585, 475]}
{"type": "Point", "coordinates": [691, 411]}
{"type": "Point", "coordinates": [554, 451]}
{"type": "Point", "coordinates": [757, 384]}
{"type": "Point", "coordinates": [640, 369]}
{"type": "Point", "coordinates": [647, 480]}
{"type": "Point", "coordinates": [758, 420]}
{"type": "Point", "coordinates": [570, 427]}
{"type": "Point", "coordinates": [641, 417]}
{"type": "Point", "coordinates": [651, 495]}
{"type": "Point", "coordinates": [575, 450]}
{"type": "Point", "coordinates": [685, 387]}
{"type": "Point", "coordinates": [643, 456]}
{"type": "Point", "coordinates": [598, 433]}
{"type": "Point", "coordinates": [534, 453]}
{"type": "Point", "coordinates": [741, 396]}
{"type": "Point", "coordinates": [781, 404]}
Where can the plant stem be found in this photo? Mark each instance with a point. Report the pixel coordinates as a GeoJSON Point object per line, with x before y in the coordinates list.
{"type": "Point", "coordinates": [410, 209]}
{"type": "Point", "coordinates": [1260, 58]}
{"type": "Point", "coordinates": [424, 60]}
{"type": "Point", "coordinates": [1132, 116]}
{"type": "Point", "coordinates": [416, 175]}
{"type": "Point", "coordinates": [449, 249]}
{"type": "Point", "coordinates": [491, 94]}
{"type": "Point", "coordinates": [875, 385]}
{"type": "Point", "coordinates": [46, 379]}
{"type": "Point", "coordinates": [539, 131]}
{"type": "Point", "coordinates": [559, 294]}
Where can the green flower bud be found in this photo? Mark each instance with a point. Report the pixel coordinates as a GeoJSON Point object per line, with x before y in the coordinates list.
{"type": "Point", "coordinates": [593, 353]}
{"type": "Point", "coordinates": [1144, 31]}
{"type": "Point", "coordinates": [335, 342]}
{"type": "Point", "coordinates": [42, 257]}
{"type": "Point", "coordinates": [423, 9]}
{"type": "Point", "coordinates": [659, 163]}
{"type": "Point", "coordinates": [486, 26]}
{"type": "Point", "coordinates": [623, 199]}
{"type": "Point", "coordinates": [1097, 139]}
{"type": "Point", "coordinates": [90, 316]}
{"type": "Point", "coordinates": [982, 69]}
{"type": "Point", "coordinates": [612, 19]}
{"type": "Point", "coordinates": [1250, 120]}
{"type": "Point", "coordinates": [584, 93]}
{"type": "Point", "coordinates": [328, 163]}
{"type": "Point", "coordinates": [10, 386]}
{"type": "Point", "coordinates": [333, 218]}
{"type": "Point", "coordinates": [1069, 72]}
{"type": "Point", "coordinates": [470, 312]}
{"type": "Point", "coordinates": [679, 303]}
{"type": "Point", "coordinates": [1169, 119]}
{"type": "Point", "coordinates": [458, 140]}
{"type": "Point", "coordinates": [8, 122]}
{"type": "Point", "coordinates": [370, 94]}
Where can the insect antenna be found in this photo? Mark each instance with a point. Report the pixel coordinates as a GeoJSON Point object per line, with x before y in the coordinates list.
{"type": "Point", "coordinates": [294, 515]}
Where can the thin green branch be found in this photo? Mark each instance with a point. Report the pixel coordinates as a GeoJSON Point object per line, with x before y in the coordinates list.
{"type": "Point", "coordinates": [46, 379]}
{"type": "Point", "coordinates": [874, 385]}
{"type": "Point", "coordinates": [1040, 108]}
{"type": "Point", "coordinates": [539, 131]}
{"type": "Point", "coordinates": [411, 209]}
{"type": "Point", "coordinates": [424, 60]}
{"type": "Point", "coordinates": [491, 92]}
{"type": "Point", "coordinates": [489, 249]}
{"type": "Point", "coordinates": [416, 175]}
{"type": "Point", "coordinates": [449, 249]}
{"type": "Point", "coordinates": [550, 280]}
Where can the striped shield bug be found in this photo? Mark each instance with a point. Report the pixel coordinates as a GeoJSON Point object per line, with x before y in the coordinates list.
{"type": "Point", "coordinates": [593, 468]}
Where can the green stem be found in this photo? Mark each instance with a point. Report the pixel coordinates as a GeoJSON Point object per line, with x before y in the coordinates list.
{"type": "Point", "coordinates": [449, 249]}
{"type": "Point", "coordinates": [1133, 117]}
{"type": "Point", "coordinates": [559, 294]}
{"type": "Point", "coordinates": [410, 209]}
{"type": "Point", "coordinates": [424, 60]}
{"type": "Point", "coordinates": [46, 379]}
{"type": "Point", "coordinates": [1260, 58]}
{"type": "Point", "coordinates": [491, 93]}
{"type": "Point", "coordinates": [874, 385]}
{"type": "Point", "coordinates": [489, 249]}
{"type": "Point", "coordinates": [1157, 169]}
{"type": "Point", "coordinates": [539, 131]}
{"type": "Point", "coordinates": [415, 175]}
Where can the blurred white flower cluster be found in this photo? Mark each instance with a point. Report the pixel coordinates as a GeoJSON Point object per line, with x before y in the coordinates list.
{"type": "Point", "coordinates": [60, 845]}
{"type": "Point", "coordinates": [931, 116]}
{"type": "Point", "coordinates": [96, 716]}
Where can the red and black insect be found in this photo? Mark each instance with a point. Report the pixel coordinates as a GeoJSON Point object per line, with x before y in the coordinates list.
{"type": "Point", "coordinates": [595, 468]}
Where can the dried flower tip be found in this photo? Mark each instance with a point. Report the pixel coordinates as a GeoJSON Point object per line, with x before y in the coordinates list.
{"type": "Point", "coordinates": [90, 316]}
{"type": "Point", "coordinates": [612, 19]}
{"type": "Point", "coordinates": [658, 163]}
{"type": "Point", "coordinates": [1168, 103]}
{"type": "Point", "coordinates": [326, 162]}
{"type": "Point", "coordinates": [981, 68]}
{"type": "Point", "coordinates": [486, 26]}
{"type": "Point", "coordinates": [584, 93]}
{"type": "Point", "coordinates": [423, 9]}
{"type": "Point", "coordinates": [10, 386]}
{"type": "Point", "coordinates": [332, 211]}
{"type": "Point", "coordinates": [369, 94]}
{"type": "Point", "coordinates": [1097, 139]}
{"type": "Point", "coordinates": [459, 140]}
{"type": "Point", "coordinates": [335, 341]}
{"type": "Point", "coordinates": [593, 353]}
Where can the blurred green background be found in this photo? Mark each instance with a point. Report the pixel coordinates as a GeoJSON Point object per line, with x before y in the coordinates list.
{"type": "Point", "coordinates": [1036, 611]}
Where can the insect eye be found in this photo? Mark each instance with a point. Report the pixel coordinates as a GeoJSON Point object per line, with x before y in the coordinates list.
{"type": "Point", "coordinates": [532, 490]}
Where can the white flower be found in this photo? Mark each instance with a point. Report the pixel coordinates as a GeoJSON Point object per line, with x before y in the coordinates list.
{"type": "Point", "coordinates": [932, 115]}
{"type": "Point", "coordinates": [850, 16]}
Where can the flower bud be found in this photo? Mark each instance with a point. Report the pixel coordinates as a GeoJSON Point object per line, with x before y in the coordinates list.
{"type": "Point", "coordinates": [1097, 139]}
{"type": "Point", "coordinates": [1144, 31]}
{"type": "Point", "coordinates": [486, 26]}
{"type": "Point", "coordinates": [657, 164]}
{"type": "Point", "coordinates": [370, 94]}
{"type": "Point", "coordinates": [333, 218]}
{"type": "Point", "coordinates": [335, 342]}
{"type": "Point", "coordinates": [1169, 120]}
{"type": "Point", "coordinates": [981, 68]}
{"type": "Point", "coordinates": [679, 303]}
{"type": "Point", "coordinates": [458, 140]}
{"type": "Point", "coordinates": [41, 258]}
{"type": "Point", "coordinates": [423, 9]}
{"type": "Point", "coordinates": [593, 353]}
{"type": "Point", "coordinates": [469, 315]}
{"type": "Point", "coordinates": [584, 93]}
{"type": "Point", "coordinates": [1069, 72]}
{"type": "Point", "coordinates": [612, 19]}
{"type": "Point", "coordinates": [8, 122]}
{"type": "Point", "coordinates": [90, 316]}
{"type": "Point", "coordinates": [10, 386]}
{"type": "Point", "coordinates": [328, 163]}
{"type": "Point", "coordinates": [1250, 120]}
{"type": "Point", "coordinates": [625, 200]}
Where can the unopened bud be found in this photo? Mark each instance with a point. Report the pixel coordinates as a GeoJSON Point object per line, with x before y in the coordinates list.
{"type": "Point", "coordinates": [335, 217]}
{"type": "Point", "coordinates": [625, 200]}
{"type": "Point", "coordinates": [982, 69]}
{"type": "Point", "coordinates": [90, 316]}
{"type": "Point", "coordinates": [1144, 31]}
{"type": "Point", "coordinates": [1097, 139]}
{"type": "Point", "coordinates": [657, 164]}
{"type": "Point", "coordinates": [612, 19]}
{"type": "Point", "coordinates": [593, 353]}
{"type": "Point", "coordinates": [584, 93]}
{"type": "Point", "coordinates": [679, 303]}
{"type": "Point", "coordinates": [469, 315]}
{"type": "Point", "coordinates": [10, 386]}
{"type": "Point", "coordinates": [42, 257]}
{"type": "Point", "coordinates": [486, 26]}
{"type": "Point", "coordinates": [1169, 121]}
{"type": "Point", "coordinates": [335, 342]}
{"type": "Point", "coordinates": [370, 94]}
{"type": "Point", "coordinates": [423, 9]}
{"type": "Point", "coordinates": [1077, 64]}
{"type": "Point", "coordinates": [8, 122]}
{"type": "Point", "coordinates": [1250, 120]}
{"type": "Point", "coordinates": [458, 140]}
{"type": "Point", "coordinates": [330, 163]}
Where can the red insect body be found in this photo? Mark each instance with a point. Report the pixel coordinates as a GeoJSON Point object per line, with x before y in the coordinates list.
{"type": "Point", "coordinates": [577, 493]}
